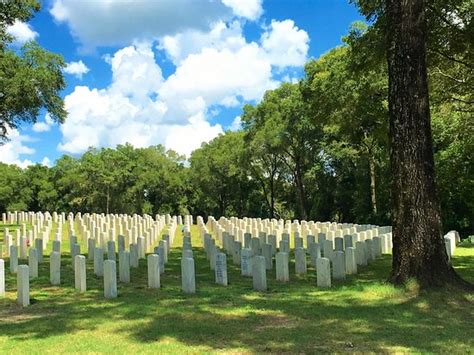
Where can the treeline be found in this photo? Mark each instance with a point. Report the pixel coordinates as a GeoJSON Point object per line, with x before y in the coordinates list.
{"type": "Point", "coordinates": [316, 149]}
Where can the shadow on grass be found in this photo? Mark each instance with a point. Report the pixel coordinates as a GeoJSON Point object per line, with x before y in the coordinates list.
{"type": "Point", "coordinates": [360, 314]}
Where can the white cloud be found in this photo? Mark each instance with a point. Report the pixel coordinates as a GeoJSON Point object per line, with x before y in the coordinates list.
{"type": "Point", "coordinates": [186, 138]}
{"type": "Point", "coordinates": [236, 124]}
{"type": "Point", "coordinates": [220, 76]}
{"type": "Point", "coordinates": [78, 69]}
{"type": "Point", "coordinates": [46, 162]}
{"type": "Point", "coordinates": [11, 151]}
{"type": "Point", "coordinates": [214, 70]}
{"type": "Point", "coordinates": [120, 22]}
{"type": "Point", "coordinates": [135, 64]}
{"type": "Point", "coordinates": [128, 110]}
{"type": "Point", "coordinates": [22, 32]}
{"type": "Point", "coordinates": [221, 36]}
{"type": "Point", "coordinates": [250, 9]}
{"type": "Point", "coordinates": [285, 44]}
{"type": "Point", "coordinates": [43, 126]}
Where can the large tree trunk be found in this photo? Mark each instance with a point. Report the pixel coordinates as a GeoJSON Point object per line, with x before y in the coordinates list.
{"type": "Point", "coordinates": [418, 247]}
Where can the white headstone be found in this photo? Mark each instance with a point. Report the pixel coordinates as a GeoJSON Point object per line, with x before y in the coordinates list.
{"type": "Point", "coordinates": [246, 262]}
{"type": "Point", "coordinates": [221, 269]}
{"type": "Point", "coordinates": [23, 285]}
{"type": "Point", "coordinates": [90, 248]}
{"type": "Point", "coordinates": [33, 263]}
{"type": "Point", "coordinates": [188, 278]}
{"type": "Point", "coordinates": [57, 246]}
{"type": "Point", "coordinates": [323, 272]}
{"type": "Point", "coordinates": [153, 265]}
{"type": "Point", "coordinates": [267, 254]}
{"type": "Point", "coordinates": [314, 253]}
{"type": "Point", "coordinates": [110, 279]}
{"type": "Point", "coordinates": [259, 273]}
{"type": "Point", "coordinates": [99, 262]}
{"type": "Point", "coordinates": [134, 255]}
{"type": "Point", "coordinates": [300, 261]}
{"type": "Point", "coordinates": [282, 267]}
{"type": "Point", "coordinates": [39, 249]}
{"type": "Point", "coordinates": [80, 273]}
{"type": "Point", "coordinates": [236, 252]}
{"type": "Point", "coordinates": [339, 266]}
{"type": "Point", "coordinates": [328, 250]}
{"type": "Point", "coordinates": [124, 266]}
{"type": "Point", "coordinates": [361, 257]}
{"type": "Point", "coordinates": [111, 250]}
{"type": "Point", "coordinates": [55, 268]}
{"type": "Point", "coordinates": [13, 259]}
{"type": "Point", "coordinates": [75, 250]}
{"type": "Point", "coordinates": [351, 264]}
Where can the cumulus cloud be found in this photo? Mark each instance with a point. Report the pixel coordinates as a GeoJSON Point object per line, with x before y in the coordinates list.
{"type": "Point", "coordinates": [11, 151]}
{"type": "Point", "coordinates": [250, 9]}
{"type": "Point", "coordinates": [78, 69]}
{"type": "Point", "coordinates": [285, 44]}
{"type": "Point", "coordinates": [221, 36]}
{"type": "Point", "coordinates": [22, 32]}
{"type": "Point", "coordinates": [123, 21]}
{"type": "Point", "coordinates": [135, 64]}
{"type": "Point", "coordinates": [46, 162]}
{"type": "Point", "coordinates": [129, 110]}
{"type": "Point", "coordinates": [236, 124]}
{"type": "Point", "coordinates": [216, 67]}
{"type": "Point", "coordinates": [43, 126]}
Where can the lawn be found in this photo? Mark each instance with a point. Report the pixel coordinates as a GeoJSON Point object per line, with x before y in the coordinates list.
{"type": "Point", "coordinates": [361, 314]}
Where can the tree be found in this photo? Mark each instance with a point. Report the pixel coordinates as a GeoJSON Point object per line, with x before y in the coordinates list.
{"type": "Point", "coordinates": [418, 246]}
{"type": "Point", "coordinates": [283, 120]}
{"type": "Point", "coordinates": [351, 103]}
{"type": "Point", "coordinates": [31, 78]}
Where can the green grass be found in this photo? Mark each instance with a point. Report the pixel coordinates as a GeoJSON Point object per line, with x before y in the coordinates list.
{"type": "Point", "coordinates": [361, 314]}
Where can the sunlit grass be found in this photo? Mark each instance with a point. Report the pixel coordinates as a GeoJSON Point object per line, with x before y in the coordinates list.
{"type": "Point", "coordinates": [364, 313]}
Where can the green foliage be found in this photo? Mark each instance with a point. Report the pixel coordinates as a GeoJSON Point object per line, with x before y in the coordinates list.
{"type": "Point", "coordinates": [30, 78]}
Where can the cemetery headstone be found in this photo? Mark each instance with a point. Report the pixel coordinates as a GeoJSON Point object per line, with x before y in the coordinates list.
{"type": "Point", "coordinates": [259, 273]}
{"type": "Point", "coordinates": [188, 278]}
{"type": "Point", "coordinates": [339, 266]}
{"type": "Point", "coordinates": [23, 286]}
{"type": "Point", "coordinates": [110, 279]}
{"type": "Point", "coordinates": [282, 267]}
{"type": "Point", "coordinates": [55, 268]}
{"type": "Point", "coordinates": [124, 266]}
{"type": "Point", "coordinates": [33, 263]}
{"type": "Point", "coordinates": [153, 264]}
{"type": "Point", "coordinates": [300, 261]}
{"type": "Point", "coordinates": [221, 269]}
{"type": "Point", "coordinates": [323, 272]}
{"type": "Point", "coordinates": [80, 273]}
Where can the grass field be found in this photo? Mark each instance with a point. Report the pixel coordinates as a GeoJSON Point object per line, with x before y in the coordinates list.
{"type": "Point", "coordinates": [361, 314]}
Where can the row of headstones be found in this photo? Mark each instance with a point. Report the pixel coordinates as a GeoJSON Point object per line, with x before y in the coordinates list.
{"type": "Point", "coordinates": [102, 268]}
{"type": "Point", "coordinates": [34, 218]}
{"type": "Point", "coordinates": [146, 227]}
{"type": "Point", "coordinates": [239, 227]}
{"type": "Point", "coordinates": [38, 244]}
{"type": "Point", "coordinates": [255, 260]}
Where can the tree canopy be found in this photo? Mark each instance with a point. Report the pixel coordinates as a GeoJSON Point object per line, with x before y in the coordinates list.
{"type": "Point", "coordinates": [31, 77]}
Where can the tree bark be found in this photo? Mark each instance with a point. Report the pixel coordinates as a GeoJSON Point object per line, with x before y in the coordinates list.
{"type": "Point", "coordinates": [418, 246]}
{"type": "Point", "coordinates": [373, 196]}
{"type": "Point", "coordinates": [301, 191]}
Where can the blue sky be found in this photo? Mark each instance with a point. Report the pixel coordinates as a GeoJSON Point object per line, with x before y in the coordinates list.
{"type": "Point", "coordinates": [171, 72]}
